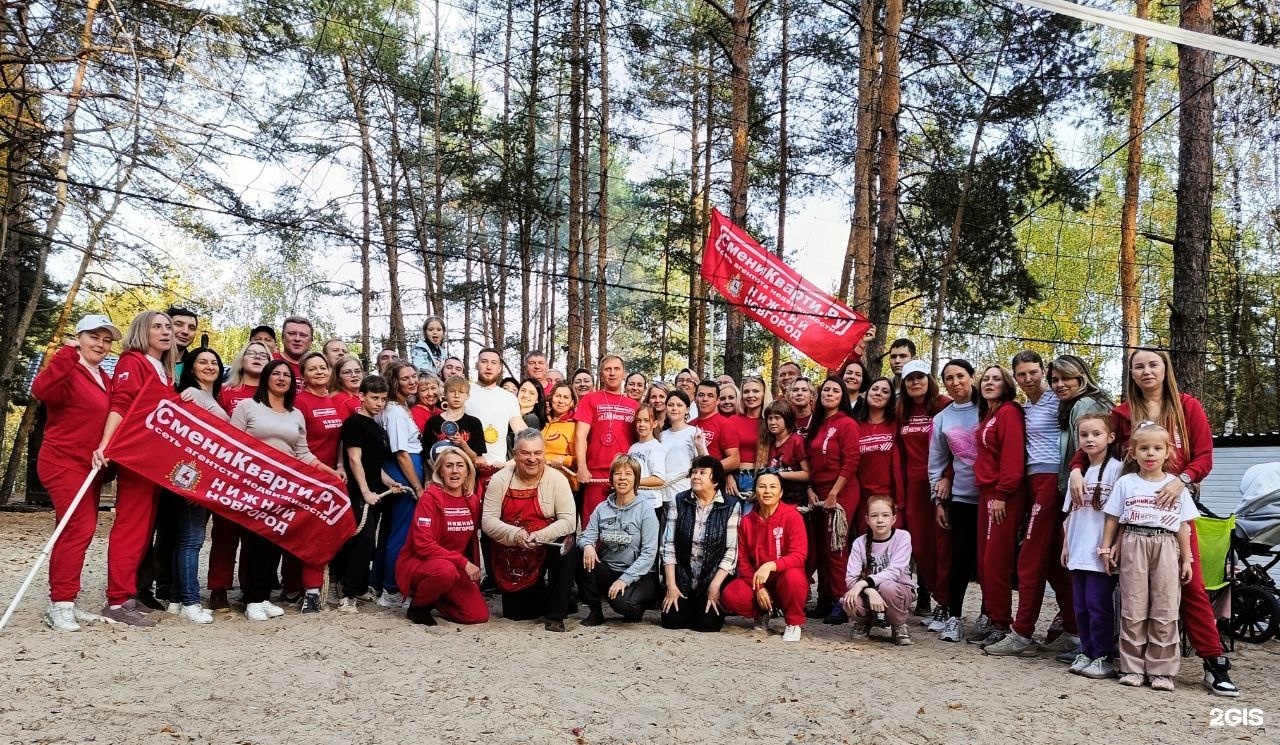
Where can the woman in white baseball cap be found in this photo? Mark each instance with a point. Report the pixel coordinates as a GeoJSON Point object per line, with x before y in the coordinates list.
{"type": "Point", "coordinates": [76, 394]}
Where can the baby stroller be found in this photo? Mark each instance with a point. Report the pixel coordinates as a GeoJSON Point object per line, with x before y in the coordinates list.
{"type": "Point", "coordinates": [1255, 610]}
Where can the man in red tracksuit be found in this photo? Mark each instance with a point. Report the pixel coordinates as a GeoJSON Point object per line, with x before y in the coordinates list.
{"type": "Point", "coordinates": [772, 546]}
{"type": "Point", "coordinates": [439, 566]}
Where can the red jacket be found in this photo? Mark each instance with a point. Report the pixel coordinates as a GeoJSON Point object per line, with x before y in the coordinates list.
{"type": "Point", "coordinates": [443, 527]}
{"type": "Point", "coordinates": [1002, 450]}
{"type": "Point", "coordinates": [1194, 458]}
{"type": "Point", "coordinates": [133, 373]}
{"type": "Point", "coordinates": [780, 538]}
{"type": "Point", "coordinates": [833, 452]}
{"type": "Point", "coordinates": [77, 408]}
{"type": "Point", "coordinates": [879, 460]}
{"type": "Point", "coordinates": [913, 442]}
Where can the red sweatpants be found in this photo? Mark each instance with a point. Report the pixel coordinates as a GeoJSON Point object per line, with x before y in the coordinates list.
{"type": "Point", "coordinates": [832, 565]}
{"type": "Point", "coordinates": [296, 576]}
{"type": "Point", "coordinates": [1038, 559]}
{"type": "Point", "coordinates": [930, 544]}
{"type": "Point", "coordinates": [437, 582]}
{"type": "Point", "coordinates": [996, 547]}
{"type": "Point", "coordinates": [224, 542]}
{"type": "Point", "coordinates": [788, 590]}
{"type": "Point", "coordinates": [136, 500]}
{"type": "Point", "coordinates": [1197, 612]}
{"type": "Point", "coordinates": [66, 561]}
{"type": "Point", "coordinates": [593, 495]}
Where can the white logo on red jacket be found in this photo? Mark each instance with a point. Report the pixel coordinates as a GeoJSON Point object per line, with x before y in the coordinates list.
{"type": "Point", "coordinates": [777, 541]}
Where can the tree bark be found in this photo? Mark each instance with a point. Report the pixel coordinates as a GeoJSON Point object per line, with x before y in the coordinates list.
{"type": "Point", "coordinates": [575, 320]}
{"type": "Point", "coordinates": [886, 245]}
{"type": "Point", "coordinates": [740, 102]}
{"type": "Point", "coordinates": [1131, 311]}
{"type": "Point", "coordinates": [1195, 202]}
{"type": "Point", "coordinates": [784, 154]}
{"type": "Point", "coordinates": [858, 254]}
{"type": "Point", "coordinates": [529, 198]}
{"type": "Point", "coordinates": [602, 241]}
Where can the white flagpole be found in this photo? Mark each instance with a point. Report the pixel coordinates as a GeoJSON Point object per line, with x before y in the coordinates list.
{"type": "Point", "coordinates": [48, 546]}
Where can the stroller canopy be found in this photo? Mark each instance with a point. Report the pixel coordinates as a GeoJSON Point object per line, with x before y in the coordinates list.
{"type": "Point", "coordinates": [1259, 512]}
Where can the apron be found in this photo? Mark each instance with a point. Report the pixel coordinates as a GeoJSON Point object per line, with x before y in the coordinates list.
{"type": "Point", "coordinates": [514, 568]}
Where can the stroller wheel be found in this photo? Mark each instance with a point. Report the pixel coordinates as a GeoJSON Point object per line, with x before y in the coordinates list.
{"type": "Point", "coordinates": [1255, 613]}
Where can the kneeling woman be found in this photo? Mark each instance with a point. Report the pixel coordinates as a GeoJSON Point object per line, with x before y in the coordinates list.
{"type": "Point", "coordinates": [618, 546]}
{"type": "Point", "coordinates": [772, 546]}
{"type": "Point", "coordinates": [439, 566]}
{"type": "Point", "coordinates": [699, 549]}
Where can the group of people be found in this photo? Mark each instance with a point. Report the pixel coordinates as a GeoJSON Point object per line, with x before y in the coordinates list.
{"type": "Point", "coordinates": [702, 499]}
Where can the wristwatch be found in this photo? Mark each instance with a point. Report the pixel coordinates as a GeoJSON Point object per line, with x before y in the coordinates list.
{"type": "Point", "coordinates": [1186, 480]}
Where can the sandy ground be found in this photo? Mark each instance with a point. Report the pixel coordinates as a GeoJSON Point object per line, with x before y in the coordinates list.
{"type": "Point", "coordinates": [375, 678]}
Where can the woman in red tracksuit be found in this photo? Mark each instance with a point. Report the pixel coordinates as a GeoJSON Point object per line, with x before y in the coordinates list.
{"type": "Point", "coordinates": [917, 404]}
{"type": "Point", "coordinates": [439, 566]}
{"type": "Point", "coordinates": [76, 395]}
{"type": "Point", "coordinates": [1151, 393]}
{"type": "Point", "coordinates": [772, 546]}
{"type": "Point", "coordinates": [147, 361]}
{"type": "Point", "coordinates": [880, 458]}
{"type": "Point", "coordinates": [1000, 473]}
{"type": "Point", "coordinates": [832, 444]}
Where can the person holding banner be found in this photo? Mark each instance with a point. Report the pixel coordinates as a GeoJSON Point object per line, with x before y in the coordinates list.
{"type": "Point", "coordinates": [439, 566]}
{"type": "Point", "coordinates": [147, 361]}
{"type": "Point", "coordinates": [225, 536]}
{"type": "Point", "coordinates": [404, 466]}
{"type": "Point", "coordinates": [529, 514]}
{"type": "Point", "coordinates": [834, 496]}
{"type": "Point", "coordinates": [76, 394]}
{"type": "Point", "coordinates": [271, 417]}
{"type": "Point", "coordinates": [199, 383]}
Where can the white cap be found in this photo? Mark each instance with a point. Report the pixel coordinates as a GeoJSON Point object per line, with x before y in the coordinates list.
{"type": "Point", "coordinates": [95, 322]}
{"type": "Point", "coordinates": [915, 366]}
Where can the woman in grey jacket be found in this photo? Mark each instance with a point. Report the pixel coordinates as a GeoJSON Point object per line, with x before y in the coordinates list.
{"type": "Point", "coordinates": [618, 547]}
{"type": "Point", "coordinates": [952, 452]}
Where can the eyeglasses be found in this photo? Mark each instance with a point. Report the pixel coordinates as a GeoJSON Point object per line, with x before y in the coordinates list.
{"type": "Point", "coordinates": [354, 371]}
{"type": "Point", "coordinates": [256, 356]}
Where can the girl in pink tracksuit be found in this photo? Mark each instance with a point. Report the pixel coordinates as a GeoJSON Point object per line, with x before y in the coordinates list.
{"type": "Point", "coordinates": [879, 574]}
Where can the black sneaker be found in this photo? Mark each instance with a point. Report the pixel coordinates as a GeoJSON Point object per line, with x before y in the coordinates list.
{"type": "Point", "coordinates": [1216, 678]}
{"type": "Point", "coordinates": [421, 614]}
{"type": "Point", "coordinates": [149, 602]}
{"type": "Point", "coordinates": [311, 602]}
{"type": "Point", "coordinates": [594, 618]}
{"type": "Point", "coordinates": [837, 615]}
{"type": "Point", "coordinates": [1069, 657]}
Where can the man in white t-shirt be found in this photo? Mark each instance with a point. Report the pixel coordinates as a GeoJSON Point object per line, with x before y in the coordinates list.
{"type": "Point", "coordinates": [495, 407]}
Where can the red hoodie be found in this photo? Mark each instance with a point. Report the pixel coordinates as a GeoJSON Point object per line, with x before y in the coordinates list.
{"type": "Point", "coordinates": [1194, 458]}
{"type": "Point", "coordinates": [443, 527]}
{"type": "Point", "coordinates": [913, 440]}
{"type": "Point", "coordinates": [77, 408]}
{"type": "Point", "coordinates": [779, 538]}
{"type": "Point", "coordinates": [1002, 450]}
{"type": "Point", "coordinates": [132, 374]}
{"type": "Point", "coordinates": [833, 452]}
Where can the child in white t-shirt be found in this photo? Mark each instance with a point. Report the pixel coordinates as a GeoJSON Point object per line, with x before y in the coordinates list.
{"type": "Point", "coordinates": [1154, 559]}
{"type": "Point", "coordinates": [1093, 587]}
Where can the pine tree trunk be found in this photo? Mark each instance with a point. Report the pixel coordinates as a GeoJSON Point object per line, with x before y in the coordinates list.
{"type": "Point", "coordinates": [575, 320]}
{"type": "Point", "coordinates": [1195, 202]}
{"type": "Point", "coordinates": [784, 154]}
{"type": "Point", "coordinates": [436, 298]}
{"type": "Point", "coordinates": [695, 208]}
{"type": "Point", "coordinates": [528, 199]}
{"type": "Point", "coordinates": [366, 244]}
{"type": "Point", "coordinates": [1131, 311]}
{"type": "Point", "coordinates": [602, 241]}
{"type": "Point", "coordinates": [858, 255]}
{"type": "Point", "coordinates": [886, 245]}
{"type": "Point", "coordinates": [740, 97]}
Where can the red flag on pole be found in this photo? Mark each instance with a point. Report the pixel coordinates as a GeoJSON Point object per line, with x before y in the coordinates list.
{"type": "Point", "coordinates": [192, 453]}
{"type": "Point", "coordinates": [777, 297]}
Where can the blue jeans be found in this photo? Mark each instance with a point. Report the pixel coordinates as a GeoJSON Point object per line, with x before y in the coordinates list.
{"type": "Point", "coordinates": [191, 521]}
{"type": "Point", "coordinates": [397, 514]}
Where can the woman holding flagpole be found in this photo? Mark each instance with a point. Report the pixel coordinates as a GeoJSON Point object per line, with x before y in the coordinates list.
{"type": "Point", "coordinates": [147, 361]}
{"type": "Point", "coordinates": [76, 394]}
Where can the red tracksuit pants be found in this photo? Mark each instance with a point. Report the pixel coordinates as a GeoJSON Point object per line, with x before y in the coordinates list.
{"type": "Point", "coordinates": [997, 545]}
{"type": "Point", "coordinates": [930, 544]}
{"type": "Point", "coordinates": [224, 541]}
{"type": "Point", "coordinates": [832, 565]}
{"type": "Point", "coordinates": [136, 500]}
{"type": "Point", "coordinates": [66, 561]}
{"type": "Point", "coordinates": [437, 582]}
{"type": "Point", "coordinates": [1038, 559]}
{"type": "Point", "coordinates": [1197, 612]}
{"type": "Point", "coordinates": [788, 590]}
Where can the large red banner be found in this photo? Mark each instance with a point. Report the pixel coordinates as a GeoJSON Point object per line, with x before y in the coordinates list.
{"type": "Point", "coordinates": [777, 297]}
{"type": "Point", "coordinates": [192, 453]}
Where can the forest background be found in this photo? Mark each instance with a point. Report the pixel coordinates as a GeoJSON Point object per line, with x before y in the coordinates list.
{"type": "Point", "coordinates": [540, 174]}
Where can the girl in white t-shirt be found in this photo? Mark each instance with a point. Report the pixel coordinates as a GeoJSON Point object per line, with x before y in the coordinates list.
{"type": "Point", "coordinates": [652, 454]}
{"type": "Point", "coordinates": [1093, 587]}
{"type": "Point", "coordinates": [1154, 559]}
{"type": "Point", "coordinates": [683, 443]}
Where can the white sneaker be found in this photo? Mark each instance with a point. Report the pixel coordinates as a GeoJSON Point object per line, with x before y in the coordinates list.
{"type": "Point", "coordinates": [61, 616]}
{"type": "Point", "coordinates": [390, 599]}
{"type": "Point", "coordinates": [792, 633]}
{"type": "Point", "coordinates": [195, 613]}
{"type": "Point", "coordinates": [256, 612]}
{"type": "Point", "coordinates": [348, 605]}
{"type": "Point", "coordinates": [953, 631]}
{"type": "Point", "coordinates": [84, 616]}
{"type": "Point", "coordinates": [173, 609]}
{"type": "Point", "coordinates": [272, 610]}
{"type": "Point", "coordinates": [939, 620]}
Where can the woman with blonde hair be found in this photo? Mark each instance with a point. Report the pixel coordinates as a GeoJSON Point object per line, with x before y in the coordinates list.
{"type": "Point", "coordinates": [147, 361]}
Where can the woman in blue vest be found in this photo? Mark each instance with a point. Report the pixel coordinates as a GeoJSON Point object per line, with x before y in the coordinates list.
{"type": "Point", "coordinates": [699, 549]}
